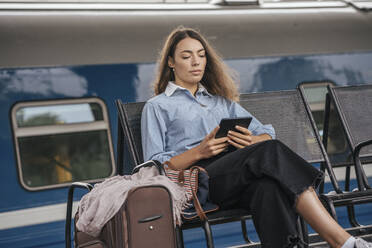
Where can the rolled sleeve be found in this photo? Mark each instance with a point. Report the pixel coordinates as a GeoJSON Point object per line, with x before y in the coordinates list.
{"type": "Point", "coordinates": [266, 129]}
{"type": "Point", "coordinates": [153, 130]}
{"type": "Point", "coordinates": [163, 156]}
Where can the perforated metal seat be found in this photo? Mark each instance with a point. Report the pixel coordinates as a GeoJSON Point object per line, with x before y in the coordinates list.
{"type": "Point", "coordinates": [354, 106]}
{"type": "Point", "coordinates": [286, 112]}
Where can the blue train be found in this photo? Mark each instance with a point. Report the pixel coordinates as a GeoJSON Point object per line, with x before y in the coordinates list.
{"type": "Point", "coordinates": [62, 65]}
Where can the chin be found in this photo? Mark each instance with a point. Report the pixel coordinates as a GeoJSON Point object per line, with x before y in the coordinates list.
{"type": "Point", "coordinates": [194, 81]}
{"type": "Point", "coordinates": [197, 79]}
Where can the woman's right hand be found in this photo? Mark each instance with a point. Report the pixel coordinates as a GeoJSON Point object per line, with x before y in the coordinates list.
{"type": "Point", "coordinates": [210, 146]}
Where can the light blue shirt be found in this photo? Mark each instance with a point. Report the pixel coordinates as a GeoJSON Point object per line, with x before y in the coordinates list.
{"type": "Point", "coordinates": [175, 121]}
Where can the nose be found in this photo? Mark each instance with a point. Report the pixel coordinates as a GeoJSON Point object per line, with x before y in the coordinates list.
{"type": "Point", "coordinates": [195, 61]}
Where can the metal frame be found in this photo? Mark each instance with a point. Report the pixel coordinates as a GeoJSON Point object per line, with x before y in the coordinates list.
{"type": "Point", "coordinates": [70, 198]}
{"type": "Point", "coordinates": [326, 164]}
{"type": "Point", "coordinates": [318, 83]}
{"type": "Point", "coordinates": [339, 198]}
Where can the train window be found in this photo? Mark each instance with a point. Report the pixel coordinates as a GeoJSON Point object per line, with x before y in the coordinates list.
{"type": "Point", "coordinates": [61, 141]}
{"type": "Point", "coordinates": [58, 114]}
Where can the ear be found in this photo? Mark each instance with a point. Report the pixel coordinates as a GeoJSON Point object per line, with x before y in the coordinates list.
{"type": "Point", "coordinates": [170, 62]}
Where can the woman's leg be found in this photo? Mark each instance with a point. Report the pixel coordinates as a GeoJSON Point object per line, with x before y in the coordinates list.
{"type": "Point", "coordinates": [274, 217]}
{"type": "Point", "coordinates": [233, 173]}
{"type": "Point", "coordinates": [311, 209]}
{"type": "Point", "coordinates": [239, 179]}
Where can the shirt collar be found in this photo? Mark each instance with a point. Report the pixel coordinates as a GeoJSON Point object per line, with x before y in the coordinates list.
{"type": "Point", "coordinates": [172, 87]}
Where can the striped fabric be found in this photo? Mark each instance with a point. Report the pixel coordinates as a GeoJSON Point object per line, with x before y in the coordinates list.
{"type": "Point", "coordinates": [189, 183]}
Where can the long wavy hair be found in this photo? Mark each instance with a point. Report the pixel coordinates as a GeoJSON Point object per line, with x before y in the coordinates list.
{"type": "Point", "coordinates": [218, 78]}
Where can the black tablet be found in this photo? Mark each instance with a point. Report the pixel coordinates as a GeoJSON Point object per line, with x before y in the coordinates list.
{"type": "Point", "coordinates": [227, 124]}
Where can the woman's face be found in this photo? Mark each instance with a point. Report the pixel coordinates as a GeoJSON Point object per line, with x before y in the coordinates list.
{"type": "Point", "coordinates": [189, 62]}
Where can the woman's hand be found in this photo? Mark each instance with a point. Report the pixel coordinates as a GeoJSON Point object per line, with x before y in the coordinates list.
{"type": "Point", "coordinates": [244, 137]}
{"type": "Point", "coordinates": [210, 146]}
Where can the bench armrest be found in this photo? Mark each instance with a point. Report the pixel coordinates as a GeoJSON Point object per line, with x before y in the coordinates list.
{"type": "Point", "coordinates": [150, 163]}
{"type": "Point", "coordinates": [361, 175]}
{"type": "Point", "coordinates": [70, 198]}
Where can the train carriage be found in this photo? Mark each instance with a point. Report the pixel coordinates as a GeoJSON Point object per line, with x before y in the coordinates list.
{"type": "Point", "coordinates": [62, 65]}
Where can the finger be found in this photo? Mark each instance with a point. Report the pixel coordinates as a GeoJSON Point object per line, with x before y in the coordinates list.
{"type": "Point", "coordinates": [243, 130]}
{"type": "Point", "coordinates": [231, 142]}
{"type": "Point", "coordinates": [239, 140]}
{"type": "Point", "coordinates": [240, 135]}
{"type": "Point", "coordinates": [221, 140]}
{"type": "Point", "coordinates": [220, 146]}
{"type": "Point", "coordinates": [218, 151]}
{"type": "Point", "coordinates": [212, 134]}
{"type": "Point", "coordinates": [212, 148]}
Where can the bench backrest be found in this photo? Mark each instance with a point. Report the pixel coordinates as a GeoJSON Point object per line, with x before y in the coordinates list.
{"type": "Point", "coordinates": [283, 109]}
{"type": "Point", "coordinates": [286, 111]}
{"type": "Point", "coordinates": [354, 106]}
{"type": "Point", "coordinates": [130, 123]}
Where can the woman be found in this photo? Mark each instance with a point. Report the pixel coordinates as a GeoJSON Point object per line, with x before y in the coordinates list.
{"type": "Point", "coordinates": [194, 91]}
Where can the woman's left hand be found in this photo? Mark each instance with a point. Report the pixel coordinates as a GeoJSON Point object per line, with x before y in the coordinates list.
{"type": "Point", "coordinates": [244, 137]}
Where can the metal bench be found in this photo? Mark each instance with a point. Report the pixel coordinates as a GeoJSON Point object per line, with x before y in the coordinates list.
{"type": "Point", "coordinates": [284, 109]}
{"type": "Point", "coordinates": [352, 106]}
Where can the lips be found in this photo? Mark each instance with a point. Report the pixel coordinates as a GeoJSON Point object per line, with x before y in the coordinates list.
{"type": "Point", "coordinates": [196, 72]}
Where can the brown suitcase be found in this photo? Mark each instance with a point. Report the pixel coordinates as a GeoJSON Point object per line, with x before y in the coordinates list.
{"type": "Point", "coordinates": [144, 220]}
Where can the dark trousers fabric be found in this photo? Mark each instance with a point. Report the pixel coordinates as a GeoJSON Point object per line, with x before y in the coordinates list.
{"type": "Point", "coordinates": [265, 178]}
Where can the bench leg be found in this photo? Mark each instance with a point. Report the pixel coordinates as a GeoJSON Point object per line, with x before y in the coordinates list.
{"type": "Point", "coordinates": [351, 215]}
{"type": "Point", "coordinates": [208, 234]}
{"type": "Point", "coordinates": [179, 237]}
{"type": "Point", "coordinates": [328, 204]}
{"type": "Point", "coordinates": [244, 231]}
{"type": "Point", "coordinates": [303, 232]}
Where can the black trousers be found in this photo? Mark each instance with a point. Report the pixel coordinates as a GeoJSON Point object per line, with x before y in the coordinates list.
{"type": "Point", "coordinates": [265, 178]}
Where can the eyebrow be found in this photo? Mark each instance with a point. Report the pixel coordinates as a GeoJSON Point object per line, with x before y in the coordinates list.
{"type": "Point", "coordinates": [189, 51]}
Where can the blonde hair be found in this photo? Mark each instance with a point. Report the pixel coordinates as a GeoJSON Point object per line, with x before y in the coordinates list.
{"type": "Point", "coordinates": [217, 78]}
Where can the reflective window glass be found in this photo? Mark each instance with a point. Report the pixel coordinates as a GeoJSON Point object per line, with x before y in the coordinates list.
{"type": "Point", "coordinates": [61, 158]}
{"type": "Point", "coordinates": [62, 141]}
{"type": "Point", "coordinates": [58, 114]}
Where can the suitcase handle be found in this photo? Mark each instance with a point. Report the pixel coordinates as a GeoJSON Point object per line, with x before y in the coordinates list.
{"type": "Point", "coordinates": [155, 217]}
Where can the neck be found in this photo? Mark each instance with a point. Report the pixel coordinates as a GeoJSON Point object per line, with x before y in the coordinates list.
{"type": "Point", "coordinates": [192, 87]}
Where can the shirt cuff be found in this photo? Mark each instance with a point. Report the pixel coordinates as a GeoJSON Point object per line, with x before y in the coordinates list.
{"type": "Point", "coordinates": [163, 157]}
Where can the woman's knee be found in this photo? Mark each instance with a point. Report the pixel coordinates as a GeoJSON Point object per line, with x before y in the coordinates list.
{"type": "Point", "coordinates": [267, 145]}
{"type": "Point", "coordinates": [272, 143]}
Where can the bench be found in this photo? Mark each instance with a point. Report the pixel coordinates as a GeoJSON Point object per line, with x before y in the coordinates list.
{"type": "Point", "coordinates": [352, 107]}
{"type": "Point", "coordinates": [284, 109]}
